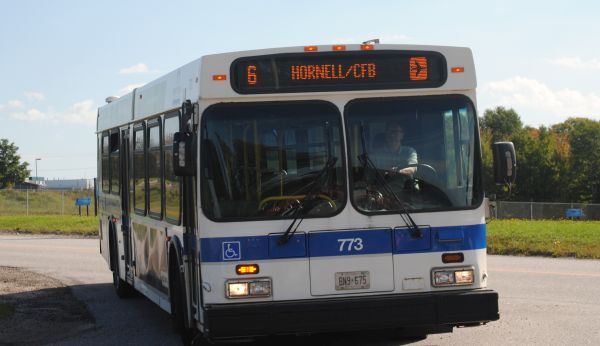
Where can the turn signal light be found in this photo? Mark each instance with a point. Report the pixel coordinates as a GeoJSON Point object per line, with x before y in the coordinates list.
{"type": "Point", "coordinates": [245, 269]}
{"type": "Point", "coordinates": [220, 77]}
{"type": "Point", "coordinates": [457, 69]}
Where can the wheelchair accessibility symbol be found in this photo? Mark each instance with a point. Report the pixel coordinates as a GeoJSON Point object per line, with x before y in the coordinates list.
{"type": "Point", "coordinates": [232, 251]}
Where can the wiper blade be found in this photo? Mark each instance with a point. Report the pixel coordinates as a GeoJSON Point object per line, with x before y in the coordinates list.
{"type": "Point", "coordinates": [302, 208]}
{"type": "Point", "coordinates": [402, 211]}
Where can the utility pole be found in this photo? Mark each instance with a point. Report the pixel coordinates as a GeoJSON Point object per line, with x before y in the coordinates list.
{"type": "Point", "coordinates": [36, 173]}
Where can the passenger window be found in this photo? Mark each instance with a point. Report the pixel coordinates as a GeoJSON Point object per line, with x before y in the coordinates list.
{"type": "Point", "coordinates": [104, 164]}
{"type": "Point", "coordinates": [139, 172]}
{"type": "Point", "coordinates": [172, 182]}
{"type": "Point", "coordinates": [155, 182]}
{"type": "Point", "coordinates": [114, 159]}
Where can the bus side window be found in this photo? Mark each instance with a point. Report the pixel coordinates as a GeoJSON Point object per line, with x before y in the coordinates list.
{"type": "Point", "coordinates": [172, 182]}
{"type": "Point", "coordinates": [154, 162]}
{"type": "Point", "coordinates": [104, 164]}
{"type": "Point", "coordinates": [139, 171]}
{"type": "Point", "coordinates": [114, 161]}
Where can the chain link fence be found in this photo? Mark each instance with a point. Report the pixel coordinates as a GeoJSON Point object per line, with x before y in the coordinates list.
{"type": "Point", "coordinates": [43, 202]}
{"type": "Point", "coordinates": [62, 202]}
{"type": "Point", "coordinates": [539, 210]}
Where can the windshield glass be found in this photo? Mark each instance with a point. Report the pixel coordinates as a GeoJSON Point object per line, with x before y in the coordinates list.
{"type": "Point", "coordinates": [425, 148]}
{"type": "Point", "coordinates": [260, 160]}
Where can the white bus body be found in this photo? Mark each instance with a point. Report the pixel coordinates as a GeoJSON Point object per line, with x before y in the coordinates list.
{"type": "Point", "coordinates": [353, 262]}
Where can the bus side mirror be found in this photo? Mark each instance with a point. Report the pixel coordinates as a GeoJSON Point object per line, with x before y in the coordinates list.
{"type": "Point", "coordinates": [505, 163]}
{"type": "Point", "coordinates": [183, 157]}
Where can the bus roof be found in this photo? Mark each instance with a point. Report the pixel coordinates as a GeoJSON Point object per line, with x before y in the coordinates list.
{"type": "Point", "coordinates": [214, 77]}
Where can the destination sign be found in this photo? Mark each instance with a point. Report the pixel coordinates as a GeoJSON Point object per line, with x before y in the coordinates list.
{"type": "Point", "coordinates": [338, 71]}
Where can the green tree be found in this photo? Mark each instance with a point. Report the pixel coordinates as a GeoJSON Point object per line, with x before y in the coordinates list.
{"type": "Point", "coordinates": [503, 123]}
{"type": "Point", "coordinates": [583, 178]}
{"type": "Point", "coordinates": [11, 170]}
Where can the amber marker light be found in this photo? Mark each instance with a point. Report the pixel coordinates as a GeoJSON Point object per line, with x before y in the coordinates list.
{"type": "Point", "coordinates": [458, 69]}
{"type": "Point", "coordinates": [219, 77]}
{"type": "Point", "coordinates": [338, 47]}
{"type": "Point", "coordinates": [367, 46]}
{"type": "Point", "coordinates": [246, 269]}
{"type": "Point", "coordinates": [311, 48]}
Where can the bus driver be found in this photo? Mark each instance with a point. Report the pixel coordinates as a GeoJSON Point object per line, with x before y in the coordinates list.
{"type": "Point", "coordinates": [394, 157]}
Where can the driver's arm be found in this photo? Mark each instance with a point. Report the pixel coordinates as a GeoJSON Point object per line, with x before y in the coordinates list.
{"type": "Point", "coordinates": [412, 160]}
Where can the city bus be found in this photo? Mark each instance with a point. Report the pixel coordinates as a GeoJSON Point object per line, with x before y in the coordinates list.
{"type": "Point", "coordinates": [244, 192]}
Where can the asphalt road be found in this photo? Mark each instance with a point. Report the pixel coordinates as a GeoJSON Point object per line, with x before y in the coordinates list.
{"type": "Point", "coordinates": [543, 301]}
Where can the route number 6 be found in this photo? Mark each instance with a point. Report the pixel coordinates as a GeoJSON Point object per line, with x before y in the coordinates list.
{"type": "Point", "coordinates": [350, 244]}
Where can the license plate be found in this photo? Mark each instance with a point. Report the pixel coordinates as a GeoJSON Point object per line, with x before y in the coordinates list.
{"type": "Point", "coordinates": [352, 280]}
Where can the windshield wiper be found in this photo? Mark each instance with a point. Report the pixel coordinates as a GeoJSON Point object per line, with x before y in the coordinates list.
{"type": "Point", "coordinates": [303, 208]}
{"type": "Point", "coordinates": [402, 211]}
{"type": "Point", "coordinates": [323, 176]}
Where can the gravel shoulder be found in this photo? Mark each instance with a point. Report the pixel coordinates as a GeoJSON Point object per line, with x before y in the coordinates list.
{"type": "Point", "coordinates": [45, 310]}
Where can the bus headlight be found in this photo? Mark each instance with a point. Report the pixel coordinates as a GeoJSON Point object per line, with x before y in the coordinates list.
{"type": "Point", "coordinates": [442, 277]}
{"type": "Point", "coordinates": [252, 288]}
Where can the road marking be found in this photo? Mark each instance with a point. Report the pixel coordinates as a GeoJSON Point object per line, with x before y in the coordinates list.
{"type": "Point", "coordinates": [506, 270]}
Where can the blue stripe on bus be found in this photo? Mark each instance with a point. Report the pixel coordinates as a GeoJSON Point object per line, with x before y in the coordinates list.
{"type": "Point", "coordinates": [343, 243]}
{"type": "Point", "coordinates": [348, 243]}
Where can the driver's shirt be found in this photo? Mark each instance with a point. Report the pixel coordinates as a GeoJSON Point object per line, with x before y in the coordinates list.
{"type": "Point", "coordinates": [386, 159]}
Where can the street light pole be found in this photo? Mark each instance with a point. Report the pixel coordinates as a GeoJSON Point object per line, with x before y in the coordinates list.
{"type": "Point", "coordinates": [36, 173]}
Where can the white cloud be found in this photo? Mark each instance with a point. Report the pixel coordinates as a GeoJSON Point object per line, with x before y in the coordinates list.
{"type": "Point", "coordinates": [137, 68]}
{"type": "Point", "coordinates": [549, 106]}
{"type": "Point", "coordinates": [34, 95]}
{"type": "Point", "coordinates": [15, 104]}
{"type": "Point", "coordinates": [83, 112]}
{"type": "Point", "coordinates": [129, 88]}
{"type": "Point", "coordinates": [31, 115]}
{"type": "Point", "coordinates": [576, 63]}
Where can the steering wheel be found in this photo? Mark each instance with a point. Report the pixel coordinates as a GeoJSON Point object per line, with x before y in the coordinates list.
{"type": "Point", "coordinates": [424, 170]}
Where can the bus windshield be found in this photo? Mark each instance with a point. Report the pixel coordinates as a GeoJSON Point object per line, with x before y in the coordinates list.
{"type": "Point", "coordinates": [262, 160]}
{"type": "Point", "coordinates": [420, 149]}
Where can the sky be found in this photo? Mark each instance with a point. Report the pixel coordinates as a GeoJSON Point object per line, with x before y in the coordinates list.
{"type": "Point", "coordinates": [60, 59]}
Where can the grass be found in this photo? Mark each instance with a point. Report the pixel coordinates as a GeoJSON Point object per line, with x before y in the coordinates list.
{"type": "Point", "coordinates": [50, 224]}
{"type": "Point", "coordinates": [42, 202]}
{"type": "Point", "coordinates": [560, 238]}
{"type": "Point", "coordinates": [6, 310]}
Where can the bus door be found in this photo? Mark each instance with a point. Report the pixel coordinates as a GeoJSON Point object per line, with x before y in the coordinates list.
{"type": "Point", "coordinates": [125, 203]}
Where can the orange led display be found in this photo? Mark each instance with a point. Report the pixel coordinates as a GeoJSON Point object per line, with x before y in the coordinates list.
{"type": "Point", "coordinates": [338, 68]}
{"type": "Point", "coordinates": [333, 71]}
{"type": "Point", "coordinates": [251, 74]}
{"type": "Point", "coordinates": [418, 68]}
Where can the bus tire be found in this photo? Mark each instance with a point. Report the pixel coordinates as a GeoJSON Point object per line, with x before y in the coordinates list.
{"type": "Point", "coordinates": [122, 288]}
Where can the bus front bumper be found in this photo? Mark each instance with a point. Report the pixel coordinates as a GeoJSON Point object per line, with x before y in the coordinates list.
{"type": "Point", "coordinates": [433, 310]}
